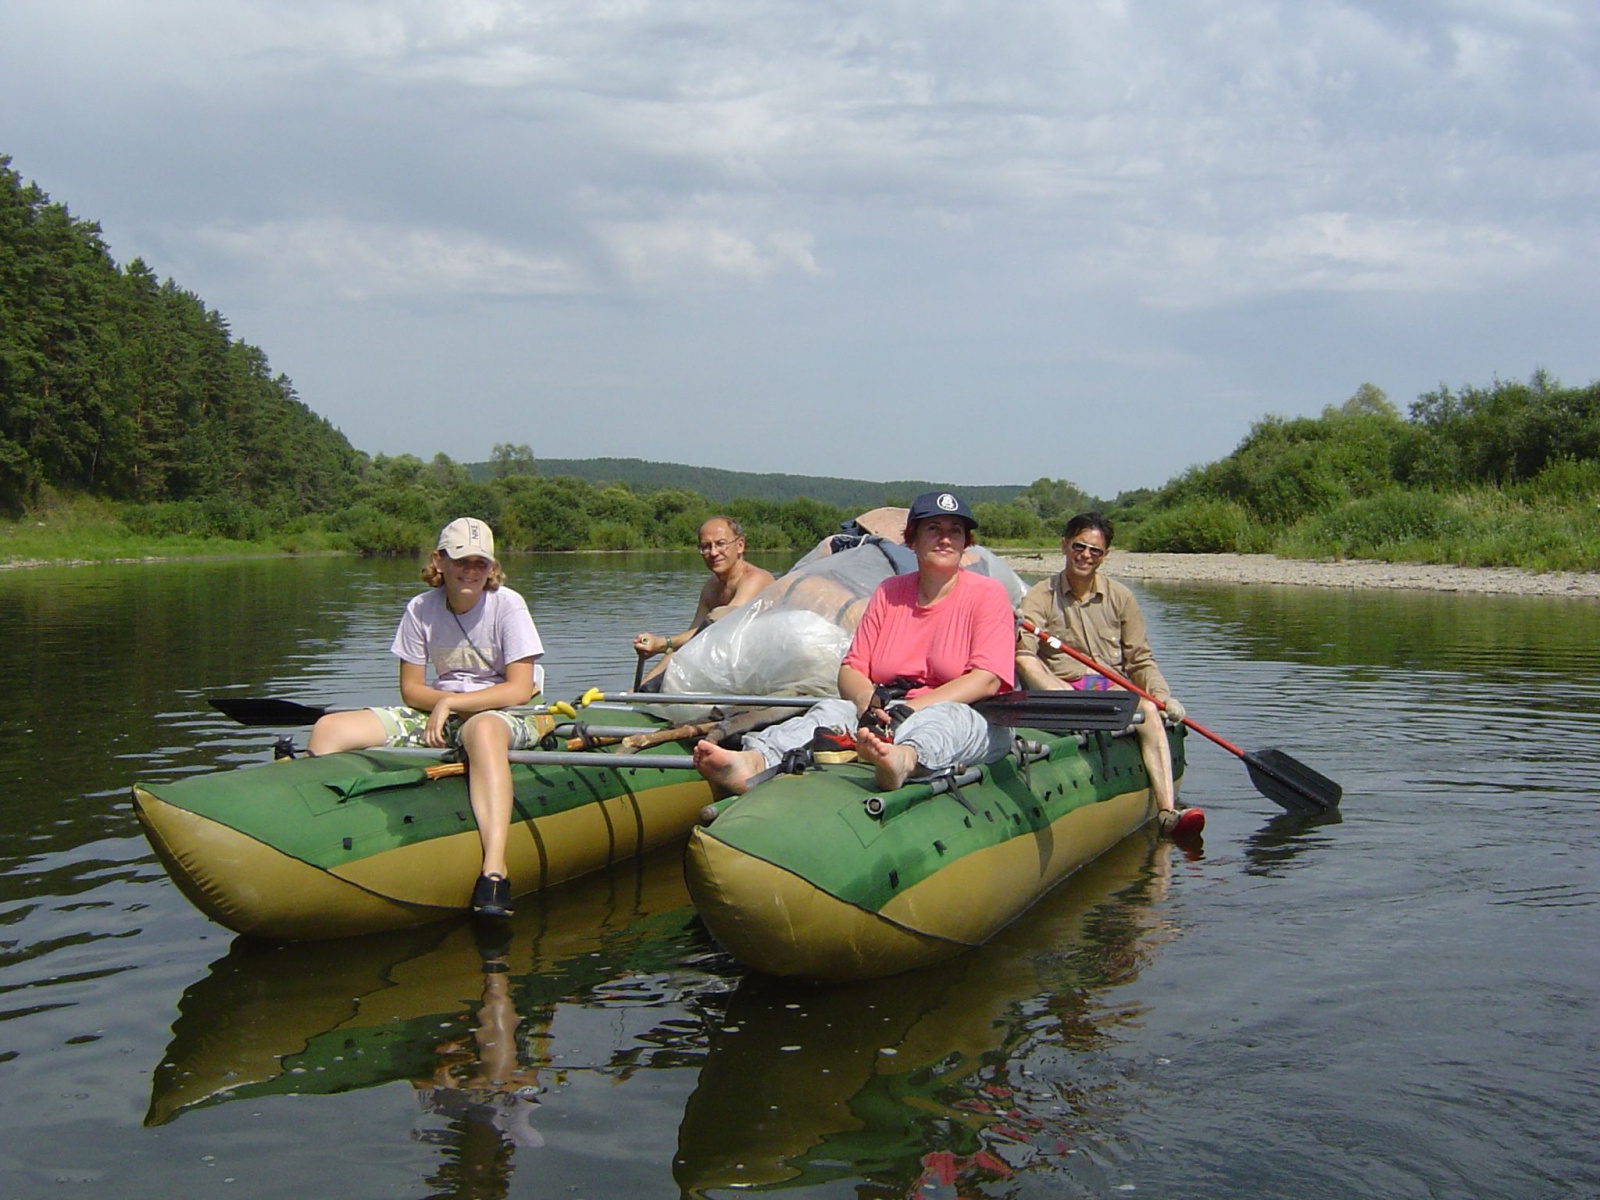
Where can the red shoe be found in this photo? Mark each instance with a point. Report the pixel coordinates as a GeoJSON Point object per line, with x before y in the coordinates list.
{"type": "Point", "coordinates": [1181, 823]}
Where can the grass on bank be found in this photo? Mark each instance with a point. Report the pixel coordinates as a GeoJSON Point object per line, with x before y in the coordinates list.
{"type": "Point", "coordinates": [1483, 527]}
{"type": "Point", "coordinates": [84, 529]}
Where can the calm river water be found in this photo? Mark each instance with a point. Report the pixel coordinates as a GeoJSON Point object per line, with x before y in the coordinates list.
{"type": "Point", "coordinates": [1404, 1002]}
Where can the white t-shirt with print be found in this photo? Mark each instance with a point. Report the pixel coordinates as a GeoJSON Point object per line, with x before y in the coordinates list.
{"type": "Point", "coordinates": [469, 651]}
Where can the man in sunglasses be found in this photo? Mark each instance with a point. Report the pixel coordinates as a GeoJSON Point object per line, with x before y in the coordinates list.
{"type": "Point", "coordinates": [1100, 618]}
{"type": "Point", "coordinates": [734, 583]}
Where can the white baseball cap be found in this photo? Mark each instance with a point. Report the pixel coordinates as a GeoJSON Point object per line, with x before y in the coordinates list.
{"type": "Point", "coordinates": [467, 537]}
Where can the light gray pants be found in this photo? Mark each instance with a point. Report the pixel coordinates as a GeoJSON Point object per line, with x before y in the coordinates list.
{"type": "Point", "coordinates": [945, 735]}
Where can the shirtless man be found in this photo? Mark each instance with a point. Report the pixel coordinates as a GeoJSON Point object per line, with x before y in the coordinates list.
{"type": "Point", "coordinates": [733, 584]}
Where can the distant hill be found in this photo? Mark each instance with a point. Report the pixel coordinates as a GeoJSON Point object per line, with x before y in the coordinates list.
{"type": "Point", "coordinates": [721, 486]}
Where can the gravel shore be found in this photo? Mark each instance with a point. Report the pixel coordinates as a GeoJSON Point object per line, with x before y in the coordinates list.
{"type": "Point", "coordinates": [1352, 573]}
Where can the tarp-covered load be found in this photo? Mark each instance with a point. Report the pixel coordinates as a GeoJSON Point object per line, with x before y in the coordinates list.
{"type": "Point", "coordinates": [791, 638]}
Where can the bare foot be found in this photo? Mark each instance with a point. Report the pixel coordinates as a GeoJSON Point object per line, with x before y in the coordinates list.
{"type": "Point", "coordinates": [891, 764]}
{"type": "Point", "coordinates": [728, 769]}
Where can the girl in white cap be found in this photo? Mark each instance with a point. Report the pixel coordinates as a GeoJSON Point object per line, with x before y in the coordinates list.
{"type": "Point", "coordinates": [481, 641]}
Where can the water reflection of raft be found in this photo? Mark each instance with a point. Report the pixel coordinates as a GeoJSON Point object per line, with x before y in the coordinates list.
{"type": "Point", "coordinates": [819, 876]}
{"type": "Point", "coordinates": [352, 843]}
{"type": "Point", "coordinates": [322, 1018]}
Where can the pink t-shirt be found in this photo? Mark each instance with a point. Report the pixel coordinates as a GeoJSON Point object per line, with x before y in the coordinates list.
{"type": "Point", "coordinates": [970, 629]}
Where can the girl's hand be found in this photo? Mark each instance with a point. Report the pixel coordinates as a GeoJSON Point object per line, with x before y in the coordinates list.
{"type": "Point", "coordinates": [434, 734]}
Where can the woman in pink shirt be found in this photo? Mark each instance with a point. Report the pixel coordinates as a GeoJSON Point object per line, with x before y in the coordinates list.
{"type": "Point", "coordinates": [945, 634]}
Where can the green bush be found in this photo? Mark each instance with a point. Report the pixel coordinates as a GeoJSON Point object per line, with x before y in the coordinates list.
{"type": "Point", "coordinates": [1012, 522]}
{"type": "Point", "coordinates": [614, 535]}
{"type": "Point", "coordinates": [169, 518]}
{"type": "Point", "coordinates": [236, 520]}
{"type": "Point", "coordinates": [1565, 481]}
{"type": "Point", "coordinates": [1371, 528]}
{"type": "Point", "coordinates": [1198, 527]}
{"type": "Point", "coordinates": [379, 533]}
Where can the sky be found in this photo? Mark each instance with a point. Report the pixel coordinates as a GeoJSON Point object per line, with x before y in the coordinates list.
{"type": "Point", "coordinates": [978, 243]}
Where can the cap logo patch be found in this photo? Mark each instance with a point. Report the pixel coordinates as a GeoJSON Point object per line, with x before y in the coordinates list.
{"type": "Point", "coordinates": [947, 502]}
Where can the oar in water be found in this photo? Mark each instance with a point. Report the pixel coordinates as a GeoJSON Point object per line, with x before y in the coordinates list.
{"type": "Point", "coordinates": [1277, 776]}
{"type": "Point", "coordinates": [1050, 711]}
{"type": "Point", "coordinates": [268, 710]}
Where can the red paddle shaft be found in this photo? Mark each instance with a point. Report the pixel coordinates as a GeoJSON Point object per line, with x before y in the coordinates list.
{"type": "Point", "coordinates": [1056, 643]}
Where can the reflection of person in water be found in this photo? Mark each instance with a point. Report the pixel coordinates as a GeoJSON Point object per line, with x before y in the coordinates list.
{"type": "Point", "coordinates": [481, 1087]}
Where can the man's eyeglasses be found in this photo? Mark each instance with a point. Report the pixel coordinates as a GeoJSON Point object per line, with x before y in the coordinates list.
{"type": "Point", "coordinates": [1094, 552]}
{"type": "Point", "coordinates": [716, 547]}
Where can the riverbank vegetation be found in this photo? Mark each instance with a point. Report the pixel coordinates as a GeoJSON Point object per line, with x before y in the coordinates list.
{"type": "Point", "coordinates": [133, 424]}
{"type": "Point", "coordinates": [1504, 475]}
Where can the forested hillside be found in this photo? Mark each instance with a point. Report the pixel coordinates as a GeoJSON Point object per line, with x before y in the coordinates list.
{"type": "Point", "coordinates": [117, 385]}
{"type": "Point", "coordinates": [720, 486]}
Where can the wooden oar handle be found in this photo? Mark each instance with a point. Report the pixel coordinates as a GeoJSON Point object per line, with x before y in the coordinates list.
{"type": "Point", "coordinates": [660, 737]}
{"type": "Point", "coordinates": [1056, 643]}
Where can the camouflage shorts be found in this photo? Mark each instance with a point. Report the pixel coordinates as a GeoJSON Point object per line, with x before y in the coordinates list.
{"type": "Point", "coordinates": [406, 727]}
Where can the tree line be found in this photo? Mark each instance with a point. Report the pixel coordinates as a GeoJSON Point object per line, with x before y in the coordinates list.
{"type": "Point", "coordinates": [400, 501]}
{"type": "Point", "coordinates": [1507, 474]}
{"type": "Point", "coordinates": [721, 486]}
{"type": "Point", "coordinates": [117, 385]}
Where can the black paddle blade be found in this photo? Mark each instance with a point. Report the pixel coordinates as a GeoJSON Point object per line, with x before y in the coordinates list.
{"type": "Point", "coordinates": [251, 710]}
{"type": "Point", "coordinates": [1060, 711]}
{"type": "Point", "coordinates": [1289, 782]}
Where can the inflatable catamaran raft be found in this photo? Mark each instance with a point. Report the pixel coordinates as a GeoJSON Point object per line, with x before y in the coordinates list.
{"type": "Point", "coordinates": [820, 876]}
{"type": "Point", "coordinates": [375, 839]}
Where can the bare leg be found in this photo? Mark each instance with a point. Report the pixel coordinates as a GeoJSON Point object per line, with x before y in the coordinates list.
{"type": "Point", "coordinates": [891, 764]}
{"type": "Point", "coordinates": [487, 741]}
{"type": "Point", "coordinates": [728, 769]}
{"type": "Point", "coordinates": [353, 730]}
{"type": "Point", "coordinates": [1157, 754]}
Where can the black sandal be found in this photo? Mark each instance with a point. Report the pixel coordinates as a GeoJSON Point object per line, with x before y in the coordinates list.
{"type": "Point", "coordinates": [491, 896]}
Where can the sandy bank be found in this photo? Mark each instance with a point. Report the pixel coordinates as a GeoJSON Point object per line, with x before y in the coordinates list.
{"type": "Point", "coordinates": [1264, 568]}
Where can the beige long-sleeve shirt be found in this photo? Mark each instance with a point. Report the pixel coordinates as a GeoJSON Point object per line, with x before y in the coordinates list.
{"type": "Point", "coordinates": [1107, 626]}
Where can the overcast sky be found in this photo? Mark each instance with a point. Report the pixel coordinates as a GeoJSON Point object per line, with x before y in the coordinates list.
{"type": "Point", "coordinates": [975, 242]}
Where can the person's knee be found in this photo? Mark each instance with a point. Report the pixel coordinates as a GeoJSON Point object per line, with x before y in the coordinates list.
{"type": "Point", "coordinates": [485, 733]}
{"type": "Point", "coordinates": [355, 730]}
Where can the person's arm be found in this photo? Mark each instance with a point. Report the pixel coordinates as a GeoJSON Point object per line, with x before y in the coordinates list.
{"type": "Point", "coordinates": [1138, 661]}
{"type": "Point", "coordinates": [855, 687]}
{"type": "Point", "coordinates": [1032, 673]}
{"type": "Point", "coordinates": [977, 684]}
{"type": "Point", "coordinates": [647, 645]}
{"type": "Point", "coordinates": [1032, 670]}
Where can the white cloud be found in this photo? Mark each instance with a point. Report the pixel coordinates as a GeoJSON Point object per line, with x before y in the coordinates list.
{"type": "Point", "coordinates": [361, 262]}
{"type": "Point", "coordinates": [693, 254]}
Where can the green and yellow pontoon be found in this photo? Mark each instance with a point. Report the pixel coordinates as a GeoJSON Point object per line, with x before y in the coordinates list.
{"type": "Point", "coordinates": [821, 876]}
{"type": "Point", "coordinates": [367, 840]}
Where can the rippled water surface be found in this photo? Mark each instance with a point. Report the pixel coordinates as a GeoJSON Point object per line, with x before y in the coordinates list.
{"type": "Point", "coordinates": [1397, 1002]}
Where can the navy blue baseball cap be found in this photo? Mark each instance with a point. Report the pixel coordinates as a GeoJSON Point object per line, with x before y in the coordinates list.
{"type": "Point", "coordinates": [941, 504]}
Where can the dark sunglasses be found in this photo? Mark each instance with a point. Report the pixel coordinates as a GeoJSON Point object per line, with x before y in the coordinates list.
{"type": "Point", "coordinates": [1085, 548]}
